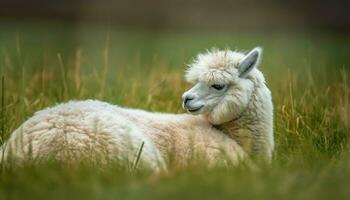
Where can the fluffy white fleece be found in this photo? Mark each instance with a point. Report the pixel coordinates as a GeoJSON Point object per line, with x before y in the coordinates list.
{"type": "Point", "coordinates": [236, 124]}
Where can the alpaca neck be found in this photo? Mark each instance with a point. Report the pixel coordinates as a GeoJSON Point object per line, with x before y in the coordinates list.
{"type": "Point", "coordinates": [252, 129]}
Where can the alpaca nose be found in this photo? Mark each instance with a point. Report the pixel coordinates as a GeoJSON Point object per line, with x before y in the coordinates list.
{"type": "Point", "coordinates": [188, 98]}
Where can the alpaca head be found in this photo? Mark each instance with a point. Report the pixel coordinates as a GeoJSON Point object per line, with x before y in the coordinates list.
{"type": "Point", "coordinates": [223, 84]}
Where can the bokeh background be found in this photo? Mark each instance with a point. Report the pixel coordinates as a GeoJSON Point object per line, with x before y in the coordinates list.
{"type": "Point", "coordinates": [134, 53]}
{"type": "Point", "coordinates": [201, 15]}
{"type": "Point", "coordinates": [136, 35]}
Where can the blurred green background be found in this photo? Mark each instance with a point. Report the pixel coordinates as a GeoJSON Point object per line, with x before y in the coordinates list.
{"type": "Point", "coordinates": [134, 53]}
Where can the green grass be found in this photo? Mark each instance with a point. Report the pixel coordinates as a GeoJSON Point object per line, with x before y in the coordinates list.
{"type": "Point", "coordinates": [308, 75]}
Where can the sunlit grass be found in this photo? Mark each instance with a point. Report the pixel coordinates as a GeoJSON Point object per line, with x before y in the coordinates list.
{"type": "Point", "coordinates": [308, 76]}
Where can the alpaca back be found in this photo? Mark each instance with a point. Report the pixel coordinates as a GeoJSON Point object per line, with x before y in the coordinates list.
{"type": "Point", "coordinates": [101, 132]}
{"type": "Point", "coordinates": [78, 131]}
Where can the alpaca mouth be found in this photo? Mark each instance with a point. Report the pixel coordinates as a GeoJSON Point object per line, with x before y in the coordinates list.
{"type": "Point", "coordinates": [195, 109]}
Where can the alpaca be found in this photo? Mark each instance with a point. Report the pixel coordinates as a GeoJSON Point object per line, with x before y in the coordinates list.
{"type": "Point", "coordinates": [229, 120]}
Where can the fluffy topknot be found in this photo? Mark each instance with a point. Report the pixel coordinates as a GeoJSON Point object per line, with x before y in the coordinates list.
{"type": "Point", "coordinates": [214, 67]}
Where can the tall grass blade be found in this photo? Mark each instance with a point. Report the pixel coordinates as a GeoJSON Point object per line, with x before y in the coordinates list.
{"type": "Point", "coordinates": [63, 75]}
{"type": "Point", "coordinates": [2, 136]}
{"type": "Point", "coordinates": [134, 167]}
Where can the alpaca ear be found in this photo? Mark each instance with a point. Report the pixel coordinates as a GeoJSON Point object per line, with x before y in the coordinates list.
{"type": "Point", "coordinates": [249, 62]}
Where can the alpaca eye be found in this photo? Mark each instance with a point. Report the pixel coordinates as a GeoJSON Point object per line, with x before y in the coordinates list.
{"type": "Point", "coordinates": [218, 87]}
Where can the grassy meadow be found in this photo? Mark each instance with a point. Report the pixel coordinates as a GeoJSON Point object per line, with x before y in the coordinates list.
{"type": "Point", "coordinates": [308, 74]}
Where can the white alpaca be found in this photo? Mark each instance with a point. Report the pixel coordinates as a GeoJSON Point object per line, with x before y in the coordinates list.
{"type": "Point", "coordinates": [232, 119]}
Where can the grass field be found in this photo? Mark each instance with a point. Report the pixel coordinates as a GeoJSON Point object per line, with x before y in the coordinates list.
{"type": "Point", "coordinates": [308, 75]}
